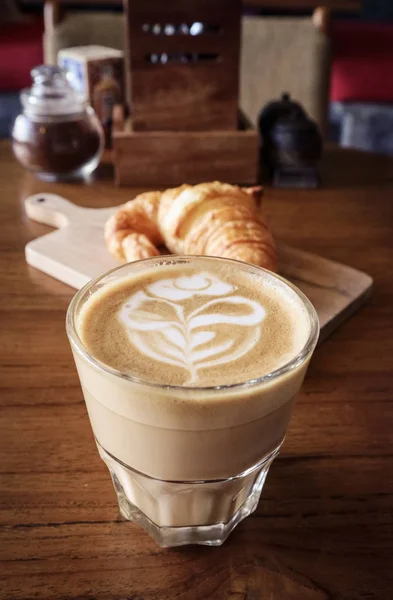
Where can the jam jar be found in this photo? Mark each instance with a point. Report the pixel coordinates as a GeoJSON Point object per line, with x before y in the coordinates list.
{"type": "Point", "coordinates": [57, 136]}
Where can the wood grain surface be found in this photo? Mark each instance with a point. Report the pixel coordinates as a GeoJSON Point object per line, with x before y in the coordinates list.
{"type": "Point", "coordinates": [197, 95]}
{"type": "Point", "coordinates": [191, 156]}
{"type": "Point", "coordinates": [324, 527]}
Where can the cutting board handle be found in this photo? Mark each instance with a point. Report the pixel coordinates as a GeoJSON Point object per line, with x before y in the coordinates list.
{"type": "Point", "coordinates": [52, 209]}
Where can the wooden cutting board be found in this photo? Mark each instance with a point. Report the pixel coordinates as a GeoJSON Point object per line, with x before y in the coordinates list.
{"type": "Point", "coordinates": [76, 252]}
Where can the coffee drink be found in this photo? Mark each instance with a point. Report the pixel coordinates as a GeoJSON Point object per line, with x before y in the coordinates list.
{"type": "Point", "coordinates": [189, 368]}
{"type": "Point", "coordinates": [179, 326]}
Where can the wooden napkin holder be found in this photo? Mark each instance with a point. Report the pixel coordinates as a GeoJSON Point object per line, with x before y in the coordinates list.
{"type": "Point", "coordinates": [183, 63]}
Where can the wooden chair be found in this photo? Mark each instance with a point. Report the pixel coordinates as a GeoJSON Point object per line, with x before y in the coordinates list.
{"type": "Point", "coordinates": [65, 29]}
{"type": "Point", "coordinates": [286, 54]}
{"type": "Point", "coordinates": [279, 54]}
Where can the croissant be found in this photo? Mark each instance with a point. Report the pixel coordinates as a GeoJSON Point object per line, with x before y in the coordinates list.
{"type": "Point", "coordinates": [214, 219]}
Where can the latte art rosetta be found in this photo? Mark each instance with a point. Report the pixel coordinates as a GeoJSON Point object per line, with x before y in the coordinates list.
{"type": "Point", "coordinates": [222, 328]}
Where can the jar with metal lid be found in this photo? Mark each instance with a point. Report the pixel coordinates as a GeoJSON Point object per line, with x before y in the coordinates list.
{"type": "Point", "coordinates": [57, 136]}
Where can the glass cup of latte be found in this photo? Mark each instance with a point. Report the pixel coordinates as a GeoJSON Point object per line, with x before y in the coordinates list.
{"type": "Point", "coordinates": [190, 367]}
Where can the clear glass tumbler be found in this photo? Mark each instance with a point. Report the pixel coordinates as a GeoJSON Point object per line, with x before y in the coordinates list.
{"type": "Point", "coordinates": [187, 463]}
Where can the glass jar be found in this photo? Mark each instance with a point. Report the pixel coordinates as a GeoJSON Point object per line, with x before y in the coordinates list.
{"type": "Point", "coordinates": [57, 136]}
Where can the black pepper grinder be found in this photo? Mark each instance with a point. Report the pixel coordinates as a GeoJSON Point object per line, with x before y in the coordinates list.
{"type": "Point", "coordinates": [291, 144]}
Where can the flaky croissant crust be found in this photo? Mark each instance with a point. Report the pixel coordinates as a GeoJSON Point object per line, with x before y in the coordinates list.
{"type": "Point", "coordinates": [214, 219]}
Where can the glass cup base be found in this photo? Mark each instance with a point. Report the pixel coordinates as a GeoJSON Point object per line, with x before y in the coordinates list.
{"type": "Point", "coordinates": [80, 173]}
{"type": "Point", "coordinates": [176, 513]}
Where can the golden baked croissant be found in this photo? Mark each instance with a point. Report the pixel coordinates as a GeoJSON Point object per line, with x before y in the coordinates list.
{"type": "Point", "coordinates": [214, 219]}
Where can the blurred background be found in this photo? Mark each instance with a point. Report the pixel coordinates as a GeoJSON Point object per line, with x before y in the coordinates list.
{"type": "Point", "coordinates": [335, 57]}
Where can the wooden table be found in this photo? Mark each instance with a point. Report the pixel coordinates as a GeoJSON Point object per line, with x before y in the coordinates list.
{"type": "Point", "coordinates": [324, 528]}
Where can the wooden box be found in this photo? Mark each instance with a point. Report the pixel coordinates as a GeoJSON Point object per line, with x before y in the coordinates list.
{"type": "Point", "coordinates": [183, 63]}
{"type": "Point", "coordinates": [170, 158]}
{"type": "Point", "coordinates": [183, 67]}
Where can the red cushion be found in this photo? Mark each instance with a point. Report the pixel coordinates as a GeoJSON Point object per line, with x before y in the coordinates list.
{"type": "Point", "coordinates": [20, 51]}
{"type": "Point", "coordinates": [362, 66]}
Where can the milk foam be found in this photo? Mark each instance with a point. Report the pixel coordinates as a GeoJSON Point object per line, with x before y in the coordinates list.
{"type": "Point", "coordinates": [187, 340]}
